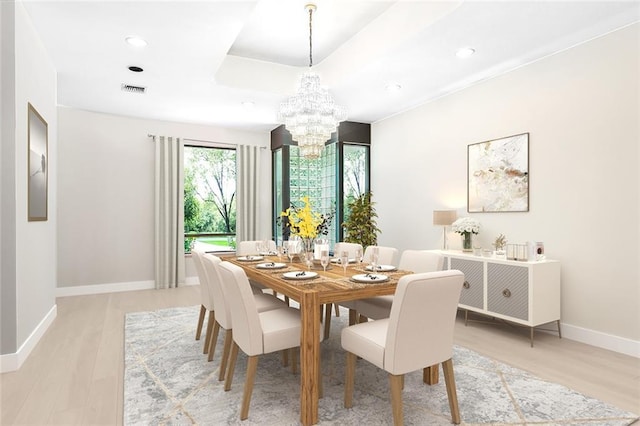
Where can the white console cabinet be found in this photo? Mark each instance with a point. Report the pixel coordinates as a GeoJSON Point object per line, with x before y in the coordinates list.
{"type": "Point", "coordinates": [526, 293]}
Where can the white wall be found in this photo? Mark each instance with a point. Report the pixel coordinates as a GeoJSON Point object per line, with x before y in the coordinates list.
{"type": "Point", "coordinates": [35, 242]}
{"type": "Point", "coordinates": [581, 110]}
{"type": "Point", "coordinates": [106, 192]}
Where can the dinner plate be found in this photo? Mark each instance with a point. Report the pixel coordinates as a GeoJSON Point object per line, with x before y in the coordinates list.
{"type": "Point", "coordinates": [299, 275]}
{"type": "Point", "coordinates": [337, 260]}
{"type": "Point", "coordinates": [381, 268]}
{"type": "Point", "coordinates": [370, 278]}
{"type": "Point", "coordinates": [250, 258]}
{"type": "Point", "coordinates": [268, 253]}
{"type": "Point", "coordinates": [271, 265]}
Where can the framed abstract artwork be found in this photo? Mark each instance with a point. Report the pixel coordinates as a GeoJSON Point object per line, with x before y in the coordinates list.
{"type": "Point", "coordinates": [498, 175]}
{"type": "Point", "coordinates": [37, 135]}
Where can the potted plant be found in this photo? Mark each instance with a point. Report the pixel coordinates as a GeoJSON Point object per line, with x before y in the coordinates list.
{"type": "Point", "coordinates": [360, 227]}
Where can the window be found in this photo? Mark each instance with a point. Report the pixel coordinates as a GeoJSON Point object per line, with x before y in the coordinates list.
{"type": "Point", "coordinates": [209, 198]}
{"type": "Point", "coordinates": [332, 181]}
{"type": "Point", "coordinates": [355, 170]}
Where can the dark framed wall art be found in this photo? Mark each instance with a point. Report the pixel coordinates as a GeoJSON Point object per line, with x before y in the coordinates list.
{"type": "Point", "coordinates": [498, 175]}
{"type": "Point", "coordinates": [38, 158]}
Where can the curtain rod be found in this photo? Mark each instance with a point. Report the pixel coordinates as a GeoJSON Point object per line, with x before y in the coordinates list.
{"type": "Point", "coordinates": [149, 135]}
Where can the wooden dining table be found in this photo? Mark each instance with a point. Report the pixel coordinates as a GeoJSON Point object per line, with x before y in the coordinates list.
{"type": "Point", "coordinates": [333, 286]}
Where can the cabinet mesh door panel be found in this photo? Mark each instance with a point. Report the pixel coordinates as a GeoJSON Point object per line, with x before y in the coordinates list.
{"type": "Point", "coordinates": [508, 290]}
{"type": "Point", "coordinates": [473, 271]}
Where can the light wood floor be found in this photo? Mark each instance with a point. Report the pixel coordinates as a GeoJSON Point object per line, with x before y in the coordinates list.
{"type": "Point", "coordinates": [75, 374]}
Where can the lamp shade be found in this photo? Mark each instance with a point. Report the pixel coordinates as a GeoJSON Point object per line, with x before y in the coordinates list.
{"type": "Point", "coordinates": [444, 217]}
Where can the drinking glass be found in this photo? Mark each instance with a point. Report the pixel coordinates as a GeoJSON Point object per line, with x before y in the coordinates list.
{"type": "Point", "coordinates": [374, 259]}
{"type": "Point", "coordinates": [280, 251]}
{"type": "Point", "coordinates": [344, 261]}
{"type": "Point", "coordinates": [308, 259]}
{"type": "Point", "coordinates": [358, 256]}
{"type": "Point", "coordinates": [324, 259]}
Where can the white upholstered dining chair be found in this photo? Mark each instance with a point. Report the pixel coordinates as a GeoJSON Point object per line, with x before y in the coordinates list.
{"type": "Point", "coordinates": [418, 334]}
{"type": "Point", "coordinates": [338, 248]}
{"type": "Point", "coordinates": [250, 247]}
{"type": "Point", "coordinates": [256, 333]}
{"type": "Point", "coordinates": [264, 302]}
{"type": "Point", "coordinates": [416, 261]}
{"type": "Point", "coordinates": [206, 300]}
{"type": "Point", "coordinates": [386, 255]}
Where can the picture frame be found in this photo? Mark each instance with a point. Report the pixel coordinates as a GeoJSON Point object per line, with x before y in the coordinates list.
{"type": "Point", "coordinates": [37, 165]}
{"type": "Point", "coordinates": [498, 175]}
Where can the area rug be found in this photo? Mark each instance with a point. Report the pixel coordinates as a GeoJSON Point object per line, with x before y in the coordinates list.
{"type": "Point", "coordinates": [167, 380]}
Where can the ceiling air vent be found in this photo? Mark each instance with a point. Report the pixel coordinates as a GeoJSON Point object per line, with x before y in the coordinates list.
{"type": "Point", "coordinates": [133, 89]}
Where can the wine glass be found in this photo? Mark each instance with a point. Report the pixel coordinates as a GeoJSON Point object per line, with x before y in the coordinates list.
{"type": "Point", "coordinates": [344, 261]}
{"type": "Point", "coordinates": [291, 250]}
{"type": "Point", "coordinates": [324, 259]}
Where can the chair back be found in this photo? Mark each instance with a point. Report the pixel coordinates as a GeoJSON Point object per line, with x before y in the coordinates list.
{"type": "Point", "coordinates": [386, 255]}
{"type": "Point", "coordinates": [250, 247]}
{"type": "Point", "coordinates": [205, 296]}
{"type": "Point", "coordinates": [223, 314]}
{"type": "Point", "coordinates": [422, 320]}
{"type": "Point", "coordinates": [351, 248]}
{"type": "Point", "coordinates": [418, 261]}
{"type": "Point", "coordinates": [247, 331]}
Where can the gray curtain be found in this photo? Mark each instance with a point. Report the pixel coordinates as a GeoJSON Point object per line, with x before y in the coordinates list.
{"type": "Point", "coordinates": [248, 172]}
{"type": "Point", "coordinates": [169, 215]}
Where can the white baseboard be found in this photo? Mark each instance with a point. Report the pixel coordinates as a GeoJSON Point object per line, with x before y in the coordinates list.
{"type": "Point", "coordinates": [82, 290]}
{"type": "Point", "coordinates": [13, 362]}
{"type": "Point", "coordinates": [601, 340]}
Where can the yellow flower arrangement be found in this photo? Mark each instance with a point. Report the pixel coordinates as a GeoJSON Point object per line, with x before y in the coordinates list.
{"type": "Point", "coordinates": [306, 223]}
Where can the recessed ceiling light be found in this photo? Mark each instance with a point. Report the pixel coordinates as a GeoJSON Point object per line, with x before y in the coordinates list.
{"type": "Point", "coordinates": [136, 41]}
{"type": "Point", "coordinates": [465, 52]}
{"type": "Point", "coordinates": [135, 69]}
{"type": "Point", "coordinates": [392, 87]}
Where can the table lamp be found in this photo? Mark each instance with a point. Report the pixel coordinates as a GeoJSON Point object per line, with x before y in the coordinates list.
{"type": "Point", "coordinates": [444, 218]}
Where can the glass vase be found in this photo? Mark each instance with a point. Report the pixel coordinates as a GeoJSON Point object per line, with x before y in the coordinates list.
{"type": "Point", "coordinates": [467, 241]}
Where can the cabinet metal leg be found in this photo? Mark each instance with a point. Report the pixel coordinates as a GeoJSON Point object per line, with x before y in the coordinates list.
{"type": "Point", "coordinates": [531, 337]}
{"type": "Point", "coordinates": [559, 332]}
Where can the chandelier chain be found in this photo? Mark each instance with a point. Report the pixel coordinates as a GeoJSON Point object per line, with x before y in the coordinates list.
{"type": "Point", "coordinates": [310, 38]}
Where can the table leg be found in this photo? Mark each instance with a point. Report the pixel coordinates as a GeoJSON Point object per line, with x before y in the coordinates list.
{"type": "Point", "coordinates": [309, 358]}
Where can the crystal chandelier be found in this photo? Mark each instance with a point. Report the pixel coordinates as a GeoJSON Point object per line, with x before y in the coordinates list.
{"type": "Point", "coordinates": [311, 114]}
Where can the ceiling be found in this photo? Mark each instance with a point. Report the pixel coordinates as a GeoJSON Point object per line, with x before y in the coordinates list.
{"type": "Point", "coordinates": [205, 59]}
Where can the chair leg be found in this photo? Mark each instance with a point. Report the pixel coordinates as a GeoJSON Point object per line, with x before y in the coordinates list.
{"type": "Point", "coordinates": [350, 369]}
{"type": "Point", "coordinates": [327, 320]}
{"type": "Point", "coordinates": [353, 317]}
{"type": "Point", "coordinates": [252, 366]}
{"type": "Point", "coordinates": [396, 398]}
{"type": "Point", "coordinates": [213, 341]}
{"type": "Point", "coordinates": [320, 386]}
{"type": "Point", "coordinates": [228, 340]}
{"type": "Point", "coordinates": [337, 308]}
{"type": "Point", "coordinates": [450, 382]}
{"type": "Point", "coordinates": [294, 360]}
{"type": "Point", "coordinates": [233, 357]}
{"type": "Point", "coordinates": [212, 319]}
{"type": "Point", "coordinates": [285, 357]}
{"type": "Point", "coordinates": [203, 311]}
{"type": "Point", "coordinates": [430, 375]}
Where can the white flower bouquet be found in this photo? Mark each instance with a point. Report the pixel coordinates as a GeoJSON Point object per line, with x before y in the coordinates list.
{"type": "Point", "coordinates": [466, 224]}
